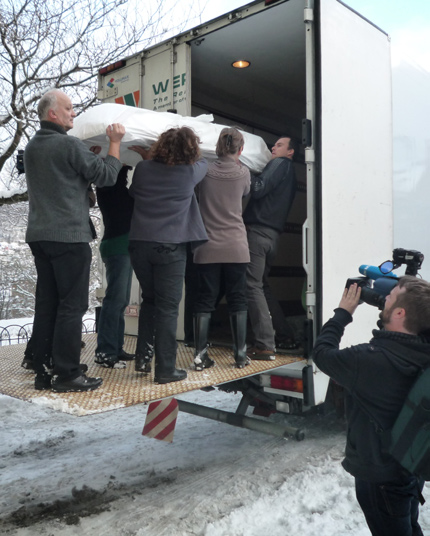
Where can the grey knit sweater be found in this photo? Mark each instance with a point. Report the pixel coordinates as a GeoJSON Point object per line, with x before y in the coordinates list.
{"type": "Point", "coordinates": [58, 169]}
{"type": "Point", "coordinates": [220, 201]}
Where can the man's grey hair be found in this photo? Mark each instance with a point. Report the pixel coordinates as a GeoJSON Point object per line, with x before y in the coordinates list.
{"type": "Point", "coordinates": [46, 103]}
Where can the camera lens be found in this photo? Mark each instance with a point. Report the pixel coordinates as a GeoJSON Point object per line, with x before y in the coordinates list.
{"type": "Point", "coordinates": [371, 297]}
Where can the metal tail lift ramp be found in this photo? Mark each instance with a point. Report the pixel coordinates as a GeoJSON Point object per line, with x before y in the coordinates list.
{"type": "Point", "coordinates": [125, 387]}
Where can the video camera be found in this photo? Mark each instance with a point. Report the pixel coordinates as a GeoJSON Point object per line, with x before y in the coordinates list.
{"type": "Point", "coordinates": [378, 281]}
{"type": "Point", "coordinates": [20, 161]}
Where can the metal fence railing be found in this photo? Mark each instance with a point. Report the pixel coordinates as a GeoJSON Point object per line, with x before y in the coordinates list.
{"type": "Point", "coordinates": [20, 334]}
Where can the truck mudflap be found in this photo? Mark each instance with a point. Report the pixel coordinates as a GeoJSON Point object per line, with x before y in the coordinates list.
{"type": "Point", "coordinates": [124, 387]}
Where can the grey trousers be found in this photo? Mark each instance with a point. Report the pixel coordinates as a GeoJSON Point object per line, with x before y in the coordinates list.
{"type": "Point", "coordinates": [262, 242]}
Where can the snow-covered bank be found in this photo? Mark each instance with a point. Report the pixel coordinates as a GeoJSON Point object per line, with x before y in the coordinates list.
{"type": "Point", "coordinates": [66, 475]}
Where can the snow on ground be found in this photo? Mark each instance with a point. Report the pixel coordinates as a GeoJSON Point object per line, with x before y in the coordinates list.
{"type": "Point", "coordinates": [66, 475]}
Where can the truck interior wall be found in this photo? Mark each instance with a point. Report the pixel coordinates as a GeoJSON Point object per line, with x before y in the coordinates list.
{"type": "Point", "coordinates": [267, 99]}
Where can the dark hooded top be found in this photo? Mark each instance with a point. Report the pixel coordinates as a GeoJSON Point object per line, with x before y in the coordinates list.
{"type": "Point", "coordinates": [272, 194]}
{"type": "Point", "coordinates": [377, 377]}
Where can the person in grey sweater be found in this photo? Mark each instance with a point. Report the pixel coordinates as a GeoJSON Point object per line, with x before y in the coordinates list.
{"type": "Point", "coordinates": [226, 254]}
{"type": "Point", "coordinates": [59, 168]}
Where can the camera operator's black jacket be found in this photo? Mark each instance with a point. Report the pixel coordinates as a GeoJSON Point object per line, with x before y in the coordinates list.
{"type": "Point", "coordinates": [377, 377]}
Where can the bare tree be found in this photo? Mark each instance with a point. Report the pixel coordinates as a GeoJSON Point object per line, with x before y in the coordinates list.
{"type": "Point", "coordinates": [17, 281]}
{"type": "Point", "coordinates": [62, 44]}
{"type": "Point", "coordinates": [17, 271]}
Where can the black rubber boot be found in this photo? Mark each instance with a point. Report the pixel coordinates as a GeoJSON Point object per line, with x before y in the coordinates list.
{"type": "Point", "coordinates": [143, 361]}
{"type": "Point", "coordinates": [201, 329]}
{"type": "Point", "coordinates": [238, 330]}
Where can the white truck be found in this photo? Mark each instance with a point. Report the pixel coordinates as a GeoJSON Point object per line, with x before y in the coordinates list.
{"type": "Point", "coordinates": [319, 70]}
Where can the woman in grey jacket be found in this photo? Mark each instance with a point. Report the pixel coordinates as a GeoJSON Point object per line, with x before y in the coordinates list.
{"type": "Point", "coordinates": [165, 218]}
{"type": "Point", "coordinates": [226, 253]}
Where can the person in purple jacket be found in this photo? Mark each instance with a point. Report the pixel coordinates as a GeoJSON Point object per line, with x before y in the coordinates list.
{"type": "Point", "coordinates": [165, 218]}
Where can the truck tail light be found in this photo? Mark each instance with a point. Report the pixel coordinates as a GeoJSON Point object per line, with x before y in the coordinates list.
{"type": "Point", "coordinates": [112, 67]}
{"type": "Point", "coordinates": [286, 384]}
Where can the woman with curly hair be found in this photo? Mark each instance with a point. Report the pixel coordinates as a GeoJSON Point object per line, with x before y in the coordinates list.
{"type": "Point", "coordinates": [165, 218]}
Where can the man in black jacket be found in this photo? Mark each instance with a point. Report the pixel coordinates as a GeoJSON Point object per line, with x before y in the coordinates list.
{"type": "Point", "coordinates": [272, 194]}
{"type": "Point", "coordinates": [377, 377]}
{"type": "Point", "coordinates": [116, 206]}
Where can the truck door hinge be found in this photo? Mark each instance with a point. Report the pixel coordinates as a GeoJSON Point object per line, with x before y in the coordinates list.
{"type": "Point", "coordinates": [234, 16]}
{"type": "Point", "coordinates": [309, 15]}
{"type": "Point", "coordinates": [309, 156]}
{"type": "Point", "coordinates": [311, 299]}
{"type": "Point", "coordinates": [306, 132]}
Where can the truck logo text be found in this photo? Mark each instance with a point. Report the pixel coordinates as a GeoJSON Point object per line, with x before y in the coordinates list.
{"type": "Point", "coordinates": [178, 81]}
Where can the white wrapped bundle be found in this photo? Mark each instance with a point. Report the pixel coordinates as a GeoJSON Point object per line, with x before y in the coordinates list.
{"type": "Point", "coordinates": [144, 126]}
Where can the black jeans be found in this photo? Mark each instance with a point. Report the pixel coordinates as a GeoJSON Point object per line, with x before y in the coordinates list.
{"type": "Point", "coordinates": [160, 269]}
{"type": "Point", "coordinates": [210, 277]}
{"type": "Point", "coordinates": [63, 274]}
{"type": "Point", "coordinates": [191, 292]}
{"type": "Point", "coordinates": [391, 509]}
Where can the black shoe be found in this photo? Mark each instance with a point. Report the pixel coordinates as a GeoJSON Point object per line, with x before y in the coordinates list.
{"type": "Point", "coordinates": [261, 354]}
{"type": "Point", "coordinates": [175, 376]}
{"type": "Point", "coordinates": [143, 364]}
{"type": "Point", "coordinates": [124, 356]}
{"type": "Point", "coordinates": [27, 363]}
{"type": "Point", "coordinates": [287, 346]}
{"type": "Point", "coordinates": [42, 381]}
{"type": "Point", "coordinates": [81, 383]}
{"type": "Point", "coordinates": [109, 361]}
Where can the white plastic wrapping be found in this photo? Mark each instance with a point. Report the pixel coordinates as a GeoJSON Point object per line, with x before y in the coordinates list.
{"type": "Point", "coordinates": [144, 126]}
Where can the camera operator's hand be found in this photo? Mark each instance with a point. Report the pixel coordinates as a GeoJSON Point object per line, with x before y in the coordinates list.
{"type": "Point", "coordinates": [350, 298]}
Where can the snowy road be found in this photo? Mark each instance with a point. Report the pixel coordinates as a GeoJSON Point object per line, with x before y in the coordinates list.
{"type": "Point", "coordinates": [65, 475]}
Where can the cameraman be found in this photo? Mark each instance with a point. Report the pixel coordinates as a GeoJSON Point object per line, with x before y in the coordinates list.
{"type": "Point", "coordinates": [377, 377]}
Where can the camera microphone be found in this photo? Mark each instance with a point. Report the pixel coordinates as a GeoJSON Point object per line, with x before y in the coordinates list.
{"type": "Point", "coordinates": [373, 272]}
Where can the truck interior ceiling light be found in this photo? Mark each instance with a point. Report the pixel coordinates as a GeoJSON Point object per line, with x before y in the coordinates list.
{"type": "Point", "coordinates": [241, 64]}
